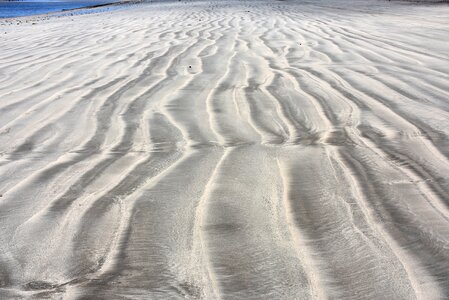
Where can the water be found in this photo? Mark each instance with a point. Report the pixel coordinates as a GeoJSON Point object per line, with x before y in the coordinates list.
{"type": "Point", "coordinates": [10, 9]}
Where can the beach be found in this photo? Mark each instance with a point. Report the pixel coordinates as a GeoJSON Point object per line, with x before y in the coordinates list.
{"type": "Point", "coordinates": [226, 150]}
{"type": "Point", "coordinates": [12, 9]}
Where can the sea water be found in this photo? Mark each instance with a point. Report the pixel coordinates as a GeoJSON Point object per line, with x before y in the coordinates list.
{"type": "Point", "coordinates": [9, 9]}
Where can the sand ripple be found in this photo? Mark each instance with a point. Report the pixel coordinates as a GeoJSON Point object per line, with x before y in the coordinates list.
{"type": "Point", "coordinates": [226, 150]}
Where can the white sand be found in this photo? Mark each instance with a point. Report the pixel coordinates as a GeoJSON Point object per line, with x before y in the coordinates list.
{"type": "Point", "coordinates": [226, 150]}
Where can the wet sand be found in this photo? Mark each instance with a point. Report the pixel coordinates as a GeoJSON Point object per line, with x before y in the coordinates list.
{"type": "Point", "coordinates": [226, 150]}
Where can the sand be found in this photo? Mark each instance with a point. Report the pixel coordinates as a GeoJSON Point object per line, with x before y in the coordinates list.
{"type": "Point", "coordinates": [226, 150]}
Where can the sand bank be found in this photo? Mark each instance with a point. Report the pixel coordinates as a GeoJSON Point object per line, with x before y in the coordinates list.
{"type": "Point", "coordinates": [226, 150]}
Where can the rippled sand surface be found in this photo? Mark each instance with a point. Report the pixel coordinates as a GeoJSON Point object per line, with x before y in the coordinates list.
{"type": "Point", "coordinates": [226, 150]}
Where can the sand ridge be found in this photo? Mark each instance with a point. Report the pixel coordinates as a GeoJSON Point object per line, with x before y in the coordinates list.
{"type": "Point", "coordinates": [226, 150]}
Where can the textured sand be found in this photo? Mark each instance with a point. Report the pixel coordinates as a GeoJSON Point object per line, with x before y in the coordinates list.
{"type": "Point", "coordinates": [226, 150]}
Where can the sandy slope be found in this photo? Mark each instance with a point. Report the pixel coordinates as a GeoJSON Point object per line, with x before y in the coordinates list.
{"type": "Point", "coordinates": [233, 150]}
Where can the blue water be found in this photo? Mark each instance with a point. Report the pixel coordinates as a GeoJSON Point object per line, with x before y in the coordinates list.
{"type": "Point", "coordinates": [9, 9]}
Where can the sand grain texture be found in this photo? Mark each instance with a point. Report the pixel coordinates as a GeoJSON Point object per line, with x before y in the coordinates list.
{"type": "Point", "coordinates": [226, 150]}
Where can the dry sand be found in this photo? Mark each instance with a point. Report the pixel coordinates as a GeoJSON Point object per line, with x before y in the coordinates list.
{"type": "Point", "coordinates": [226, 150]}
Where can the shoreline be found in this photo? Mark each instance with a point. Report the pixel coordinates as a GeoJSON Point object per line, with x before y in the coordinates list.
{"type": "Point", "coordinates": [89, 8]}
